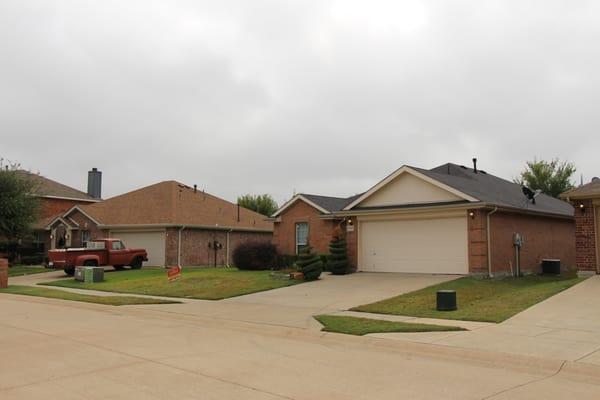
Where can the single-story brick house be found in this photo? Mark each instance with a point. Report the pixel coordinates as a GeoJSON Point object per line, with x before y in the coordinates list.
{"type": "Point", "coordinates": [450, 219]}
{"type": "Point", "coordinates": [176, 224]}
{"type": "Point", "coordinates": [586, 201]}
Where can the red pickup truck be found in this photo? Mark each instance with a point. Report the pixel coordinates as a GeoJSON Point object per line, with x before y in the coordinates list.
{"type": "Point", "coordinates": [99, 252]}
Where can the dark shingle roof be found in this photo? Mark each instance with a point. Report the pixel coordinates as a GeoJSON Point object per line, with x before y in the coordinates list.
{"type": "Point", "coordinates": [491, 189]}
{"type": "Point", "coordinates": [48, 187]}
{"type": "Point", "coordinates": [589, 190]}
{"type": "Point", "coordinates": [331, 204]}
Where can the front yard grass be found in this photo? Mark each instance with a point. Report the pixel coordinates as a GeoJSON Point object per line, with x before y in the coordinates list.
{"type": "Point", "coordinates": [195, 283]}
{"type": "Point", "coordinates": [20, 270]}
{"type": "Point", "coordinates": [478, 299]}
{"type": "Point", "coordinates": [63, 295]}
{"type": "Point", "coordinates": [363, 326]}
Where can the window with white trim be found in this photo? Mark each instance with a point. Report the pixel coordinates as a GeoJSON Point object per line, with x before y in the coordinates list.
{"type": "Point", "coordinates": [301, 236]}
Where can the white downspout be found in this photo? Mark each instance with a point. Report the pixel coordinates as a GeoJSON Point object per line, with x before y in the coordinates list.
{"type": "Point", "coordinates": [489, 243]}
{"type": "Point", "coordinates": [179, 246]}
{"type": "Point", "coordinates": [227, 256]}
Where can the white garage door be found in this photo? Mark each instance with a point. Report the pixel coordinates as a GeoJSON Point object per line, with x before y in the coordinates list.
{"type": "Point", "coordinates": [153, 242]}
{"type": "Point", "coordinates": [436, 245]}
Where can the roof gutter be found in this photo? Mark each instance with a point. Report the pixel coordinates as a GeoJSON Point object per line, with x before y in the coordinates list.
{"type": "Point", "coordinates": [207, 227]}
{"type": "Point", "coordinates": [473, 205]}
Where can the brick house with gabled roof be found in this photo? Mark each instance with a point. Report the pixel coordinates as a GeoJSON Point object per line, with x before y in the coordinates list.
{"type": "Point", "coordinates": [449, 219]}
{"type": "Point", "coordinates": [586, 201]}
{"type": "Point", "coordinates": [54, 199]}
{"type": "Point", "coordinates": [175, 223]}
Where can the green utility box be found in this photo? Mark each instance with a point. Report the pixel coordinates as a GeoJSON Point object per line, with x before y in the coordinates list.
{"type": "Point", "coordinates": [89, 274]}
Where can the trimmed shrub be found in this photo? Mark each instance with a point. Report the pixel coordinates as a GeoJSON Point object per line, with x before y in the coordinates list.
{"type": "Point", "coordinates": [338, 257]}
{"type": "Point", "coordinates": [309, 264]}
{"type": "Point", "coordinates": [285, 261]}
{"type": "Point", "coordinates": [255, 256]}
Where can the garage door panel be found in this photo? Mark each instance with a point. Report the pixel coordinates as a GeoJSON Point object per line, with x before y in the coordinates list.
{"type": "Point", "coordinates": [153, 242]}
{"type": "Point", "coordinates": [418, 245]}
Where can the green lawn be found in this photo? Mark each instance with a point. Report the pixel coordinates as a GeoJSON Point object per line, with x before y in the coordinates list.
{"type": "Point", "coordinates": [61, 294]}
{"type": "Point", "coordinates": [364, 326]}
{"type": "Point", "coordinates": [196, 283]}
{"type": "Point", "coordinates": [20, 270]}
{"type": "Point", "coordinates": [478, 299]}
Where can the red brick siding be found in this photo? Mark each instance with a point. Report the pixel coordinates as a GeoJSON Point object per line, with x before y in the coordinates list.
{"type": "Point", "coordinates": [543, 238]}
{"type": "Point", "coordinates": [477, 226]}
{"type": "Point", "coordinates": [85, 224]}
{"type": "Point", "coordinates": [195, 250]}
{"type": "Point", "coordinates": [352, 240]}
{"type": "Point", "coordinates": [51, 207]}
{"type": "Point", "coordinates": [585, 235]}
{"type": "Point", "coordinates": [319, 230]}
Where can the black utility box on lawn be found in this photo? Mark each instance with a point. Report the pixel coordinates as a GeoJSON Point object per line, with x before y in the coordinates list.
{"type": "Point", "coordinates": [446, 300]}
{"type": "Point", "coordinates": [551, 266]}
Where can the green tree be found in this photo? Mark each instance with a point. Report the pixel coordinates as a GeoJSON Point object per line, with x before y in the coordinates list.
{"type": "Point", "coordinates": [262, 203]}
{"type": "Point", "coordinates": [18, 208]}
{"type": "Point", "coordinates": [309, 264]}
{"type": "Point", "coordinates": [551, 177]}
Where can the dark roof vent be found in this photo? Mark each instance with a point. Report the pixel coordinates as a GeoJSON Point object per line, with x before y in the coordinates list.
{"type": "Point", "coordinates": [595, 179]}
{"type": "Point", "coordinates": [474, 165]}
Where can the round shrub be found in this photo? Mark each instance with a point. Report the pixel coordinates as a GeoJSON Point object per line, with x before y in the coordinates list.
{"type": "Point", "coordinates": [255, 256]}
{"type": "Point", "coordinates": [309, 264]}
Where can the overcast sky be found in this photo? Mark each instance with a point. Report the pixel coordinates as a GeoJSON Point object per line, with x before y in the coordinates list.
{"type": "Point", "coordinates": [321, 96]}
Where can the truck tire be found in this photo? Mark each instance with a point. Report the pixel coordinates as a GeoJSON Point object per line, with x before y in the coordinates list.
{"type": "Point", "coordinates": [118, 267]}
{"type": "Point", "coordinates": [69, 271]}
{"type": "Point", "coordinates": [136, 263]}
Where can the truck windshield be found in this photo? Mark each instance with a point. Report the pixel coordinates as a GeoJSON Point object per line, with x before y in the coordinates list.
{"type": "Point", "coordinates": [95, 245]}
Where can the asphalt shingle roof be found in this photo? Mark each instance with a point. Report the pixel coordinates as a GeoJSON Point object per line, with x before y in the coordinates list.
{"type": "Point", "coordinates": [48, 187]}
{"type": "Point", "coordinates": [331, 204]}
{"type": "Point", "coordinates": [589, 190]}
{"type": "Point", "coordinates": [173, 203]}
{"type": "Point", "coordinates": [494, 190]}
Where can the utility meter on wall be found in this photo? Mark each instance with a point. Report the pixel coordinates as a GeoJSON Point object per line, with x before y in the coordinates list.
{"type": "Point", "coordinates": [518, 240]}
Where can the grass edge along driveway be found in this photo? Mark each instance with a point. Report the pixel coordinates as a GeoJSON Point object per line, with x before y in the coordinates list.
{"type": "Point", "coordinates": [363, 326]}
{"type": "Point", "coordinates": [22, 270]}
{"type": "Point", "coordinates": [485, 300]}
{"type": "Point", "coordinates": [86, 298]}
{"type": "Point", "coordinates": [195, 283]}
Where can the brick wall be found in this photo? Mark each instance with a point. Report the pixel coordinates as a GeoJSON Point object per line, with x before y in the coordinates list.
{"type": "Point", "coordinates": [52, 207]}
{"type": "Point", "coordinates": [477, 225]}
{"type": "Point", "coordinates": [195, 250]}
{"type": "Point", "coordinates": [543, 238]}
{"type": "Point", "coordinates": [585, 236]}
{"type": "Point", "coordinates": [319, 230]}
{"type": "Point", "coordinates": [85, 224]}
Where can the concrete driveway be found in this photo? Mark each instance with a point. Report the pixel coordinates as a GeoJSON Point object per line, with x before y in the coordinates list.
{"type": "Point", "coordinates": [294, 306]}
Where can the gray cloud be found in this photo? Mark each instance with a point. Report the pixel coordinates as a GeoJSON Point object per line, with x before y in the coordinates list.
{"type": "Point", "coordinates": [274, 96]}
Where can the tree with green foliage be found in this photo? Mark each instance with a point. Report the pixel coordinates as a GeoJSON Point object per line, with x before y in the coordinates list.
{"type": "Point", "coordinates": [18, 208]}
{"type": "Point", "coordinates": [309, 264]}
{"type": "Point", "coordinates": [551, 177]}
{"type": "Point", "coordinates": [337, 262]}
{"type": "Point", "coordinates": [262, 203]}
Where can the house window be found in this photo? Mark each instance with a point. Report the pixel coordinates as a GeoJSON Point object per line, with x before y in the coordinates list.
{"type": "Point", "coordinates": [86, 236]}
{"type": "Point", "coordinates": [301, 236]}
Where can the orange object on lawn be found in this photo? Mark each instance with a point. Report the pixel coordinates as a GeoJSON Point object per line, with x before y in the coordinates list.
{"type": "Point", "coordinates": [173, 273]}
